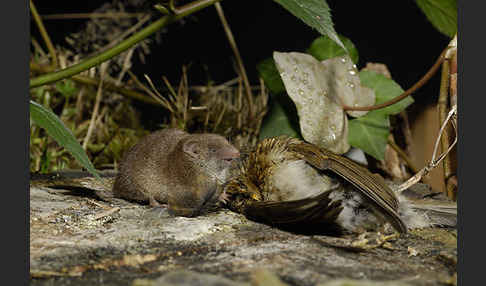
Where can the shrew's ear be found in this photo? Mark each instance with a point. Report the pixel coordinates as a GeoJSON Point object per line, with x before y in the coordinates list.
{"type": "Point", "coordinates": [192, 148]}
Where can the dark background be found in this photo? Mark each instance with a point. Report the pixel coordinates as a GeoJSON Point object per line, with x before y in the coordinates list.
{"type": "Point", "coordinates": [395, 33]}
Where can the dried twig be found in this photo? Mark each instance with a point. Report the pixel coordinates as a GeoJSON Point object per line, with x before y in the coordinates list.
{"type": "Point", "coordinates": [103, 206]}
{"type": "Point", "coordinates": [433, 161]}
{"type": "Point", "coordinates": [106, 213]}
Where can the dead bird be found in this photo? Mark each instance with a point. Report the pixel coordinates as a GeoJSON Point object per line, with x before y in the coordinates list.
{"type": "Point", "coordinates": [289, 182]}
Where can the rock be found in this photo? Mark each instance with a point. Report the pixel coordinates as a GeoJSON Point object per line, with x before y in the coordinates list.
{"type": "Point", "coordinates": [188, 278]}
{"type": "Point", "coordinates": [77, 239]}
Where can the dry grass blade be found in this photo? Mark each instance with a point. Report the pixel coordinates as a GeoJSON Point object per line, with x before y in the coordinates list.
{"type": "Point", "coordinates": [234, 47]}
{"type": "Point", "coordinates": [103, 68]}
{"type": "Point", "coordinates": [156, 95]}
{"type": "Point", "coordinates": [127, 65]}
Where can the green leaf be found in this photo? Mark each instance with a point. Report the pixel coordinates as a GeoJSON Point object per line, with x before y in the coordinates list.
{"type": "Point", "coordinates": [278, 122]}
{"type": "Point", "coordinates": [324, 48]}
{"type": "Point", "coordinates": [269, 73]}
{"type": "Point", "coordinates": [385, 90]}
{"type": "Point", "coordinates": [442, 14]}
{"type": "Point", "coordinates": [315, 13]}
{"type": "Point", "coordinates": [63, 136]}
{"type": "Point", "coordinates": [370, 133]}
{"type": "Point", "coordinates": [66, 87]}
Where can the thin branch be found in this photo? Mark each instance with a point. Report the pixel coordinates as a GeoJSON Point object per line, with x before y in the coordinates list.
{"type": "Point", "coordinates": [409, 91]}
{"type": "Point", "coordinates": [121, 47]}
{"type": "Point", "coordinates": [433, 161]}
{"type": "Point", "coordinates": [234, 47]}
{"type": "Point", "coordinates": [113, 15]}
{"type": "Point", "coordinates": [44, 34]}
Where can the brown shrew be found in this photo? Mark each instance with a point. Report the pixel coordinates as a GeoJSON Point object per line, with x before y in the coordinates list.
{"type": "Point", "coordinates": [184, 170]}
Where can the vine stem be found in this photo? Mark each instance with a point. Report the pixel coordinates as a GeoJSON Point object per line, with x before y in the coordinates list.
{"type": "Point", "coordinates": [409, 91]}
{"type": "Point", "coordinates": [44, 34]}
{"type": "Point", "coordinates": [121, 47]}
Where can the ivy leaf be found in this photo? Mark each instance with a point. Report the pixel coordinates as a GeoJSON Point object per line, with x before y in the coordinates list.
{"type": "Point", "coordinates": [315, 13]}
{"type": "Point", "coordinates": [63, 136]}
{"type": "Point", "coordinates": [278, 122]}
{"type": "Point", "coordinates": [370, 133]}
{"type": "Point", "coordinates": [385, 90]}
{"type": "Point", "coordinates": [441, 13]}
{"type": "Point", "coordinates": [324, 48]}
{"type": "Point", "coordinates": [313, 87]}
{"type": "Point", "coordinates": [269, 73]}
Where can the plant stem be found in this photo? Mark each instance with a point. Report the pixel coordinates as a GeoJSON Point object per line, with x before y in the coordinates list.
{"type": "Point", "coordinates": [234, 47]}
{"type": "Point", "coordinates": [113, 15]}
{"type": "Point", "coordinates": [121, 47]}
{"type": "Point", "coordinates": [409, 91]}
{"type": "Point", "coordinates": [44, 34]}
{"type": "Point", "coordinates": [442, 109]}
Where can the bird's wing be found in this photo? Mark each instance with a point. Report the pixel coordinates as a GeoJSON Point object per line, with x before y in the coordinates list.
{"type": "Point", "coordinates": [370, 185]}
{"type": "Point", "coordinates": [318, 209]}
